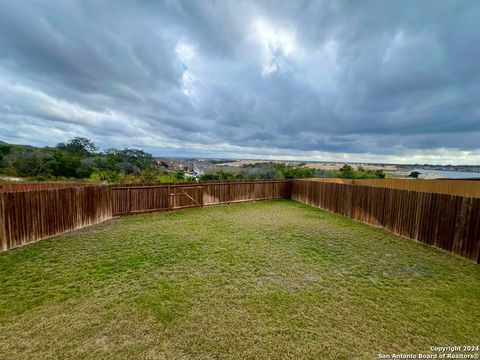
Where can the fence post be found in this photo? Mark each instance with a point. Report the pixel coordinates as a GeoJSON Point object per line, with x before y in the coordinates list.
{"type": "Point", "coordinates": [3, 235]}
{"type": "Point", "coordinates": [110, 197]}
{"type": "Point", "coordinates": [169, 197]}
{"type": "Point", "coordinates": [288, 189]}
{"type": "Point", "coordinates": [230, 193]}
{"type": "Point", "coordinates": [129, 201]}
{"type": "Point", "coordinates": [202, 202]}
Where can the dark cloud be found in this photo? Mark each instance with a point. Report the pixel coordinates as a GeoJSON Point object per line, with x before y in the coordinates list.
{"type": "Point", "coordinates": [377, 81]}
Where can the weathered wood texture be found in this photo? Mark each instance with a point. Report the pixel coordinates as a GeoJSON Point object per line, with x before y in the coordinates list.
{"type": "Point", "coordinates": [11, 187]}
{"type": "Point", "coordinates": [29, 216]}
{"type": "Point", "coordinates": [449, 222]}
{"type": "Point", "coordinates": [138, 199]}
{"type": "Point", "coordinates": [452, 187]}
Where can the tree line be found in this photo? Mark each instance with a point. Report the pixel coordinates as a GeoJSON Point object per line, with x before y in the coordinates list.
{"type": "Point", "coordinates": [79, 159]}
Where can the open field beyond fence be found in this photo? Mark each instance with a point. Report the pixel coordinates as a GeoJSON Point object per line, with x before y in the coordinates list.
{"type": "Point", "coordinates": [274, 279]}
{"type": "Point", "coordinates": [450, 222]}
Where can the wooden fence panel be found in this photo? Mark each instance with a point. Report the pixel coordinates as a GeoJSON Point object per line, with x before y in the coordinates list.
{"type": "Point", "coordinates": [216, 194]}
{"type": "Point", "coordinates": [3, 237]}
{"type": "Point", "coordinates": [449, 222]}
{"type": "Point", "coordinates": [120, 201]}
{"type": "Point", "coordinates": [260, 191]}
{"type": "Point", "coordinates": [33, 215]}
{"type": "Point", "coordinates": [459, 187]}
{"type": "Point", "coordinates": [138, 199]}
{"type": "Point", "coordinates": [243, 192]}
{"type": "Point", "coordinates": [154, 199]}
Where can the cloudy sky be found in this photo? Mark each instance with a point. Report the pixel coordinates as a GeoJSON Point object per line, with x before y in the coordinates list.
{"type": "Point", "coordinates": [380, 81]}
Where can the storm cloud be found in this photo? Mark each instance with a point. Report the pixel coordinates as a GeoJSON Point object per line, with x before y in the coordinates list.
{"type": "Point", "coordinates": [316, 80]}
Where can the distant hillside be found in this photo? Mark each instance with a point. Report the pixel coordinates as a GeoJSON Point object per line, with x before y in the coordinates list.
{"type": "Point", "coordinates": [20, 148]}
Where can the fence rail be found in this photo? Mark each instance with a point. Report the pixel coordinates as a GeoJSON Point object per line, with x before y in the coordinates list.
{"type": "Point", "coordinates": [449, 222]}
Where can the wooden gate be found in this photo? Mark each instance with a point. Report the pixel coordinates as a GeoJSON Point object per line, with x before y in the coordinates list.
{"type": "Point", "coordinates": [141, 199]}
{"type": "Point", "coordinates": [181, 197]}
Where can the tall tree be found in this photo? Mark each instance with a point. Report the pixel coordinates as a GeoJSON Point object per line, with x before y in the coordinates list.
{"type": "Point", "coordinates": [78, 146]}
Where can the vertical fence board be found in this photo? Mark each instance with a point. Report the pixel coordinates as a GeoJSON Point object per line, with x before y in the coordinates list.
{"type": "Point", "coordinates": [3, 237]}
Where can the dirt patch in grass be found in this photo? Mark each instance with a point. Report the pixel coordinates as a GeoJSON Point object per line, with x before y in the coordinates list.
{"type": "Point", "coordinates": [266, 280]}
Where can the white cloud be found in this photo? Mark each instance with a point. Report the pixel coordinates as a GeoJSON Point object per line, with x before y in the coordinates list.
{"type": "Point", "coordinates": [278, 45]}
{"type": "Point", "coordinates": [185, 51]}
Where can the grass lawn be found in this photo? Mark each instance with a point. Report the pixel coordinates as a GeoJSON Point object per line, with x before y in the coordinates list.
{"type": "Point", "coordinates": [273, 279]}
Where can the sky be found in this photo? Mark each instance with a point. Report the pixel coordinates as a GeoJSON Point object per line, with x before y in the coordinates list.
{"type": "Point", "coordinates": [360, 81]}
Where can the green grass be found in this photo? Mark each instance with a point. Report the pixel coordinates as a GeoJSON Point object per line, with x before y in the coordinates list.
{"type": "Point", "coordinates": [265, 280]}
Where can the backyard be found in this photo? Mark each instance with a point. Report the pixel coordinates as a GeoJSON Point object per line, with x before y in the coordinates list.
{"type": "Point", "coordinates": [273, 279]}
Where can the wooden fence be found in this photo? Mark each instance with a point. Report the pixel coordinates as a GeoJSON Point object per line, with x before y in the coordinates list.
{"type": "Point", "coordinates": [449, 222]}
{"type": "Point", "coordinates": [140, 199]}
{"type": "Point", "coordinates": [29, 216]}
{"type": "Point", "coordinates": [452, 187]}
